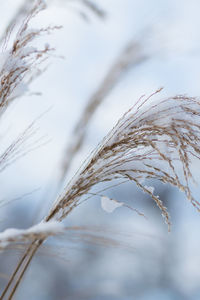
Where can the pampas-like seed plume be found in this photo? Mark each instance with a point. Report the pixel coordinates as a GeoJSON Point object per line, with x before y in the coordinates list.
{"type": "Point", "coordinates": [153, 140]}
{"type": "Point", "coordinates": [21, 63]}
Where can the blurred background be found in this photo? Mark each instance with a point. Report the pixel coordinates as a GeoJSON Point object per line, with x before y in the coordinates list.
{"type": "Point", "coordinates": [111, 52]}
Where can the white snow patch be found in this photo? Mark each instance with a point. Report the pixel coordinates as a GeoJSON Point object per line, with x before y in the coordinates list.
{"type": "Point", "coordinates": [44, 228]}
{"type": "Point", "coordinates": [109, 205]}
{"type": "Point", "coordinates": [149, 188]}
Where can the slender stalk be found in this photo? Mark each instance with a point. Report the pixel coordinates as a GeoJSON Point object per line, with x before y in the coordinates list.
{"type": "Point", "coordinates": [15, 273]}
{"type": "Point", "coordinates": [37, 235]}
{"type": "Point", "coordinates": [36, 246]}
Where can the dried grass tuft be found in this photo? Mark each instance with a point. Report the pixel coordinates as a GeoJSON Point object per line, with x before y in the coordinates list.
{"type": "Point", "coordinates": [153, 140]}
{"type": "Point", "coordinates": [22, 63]}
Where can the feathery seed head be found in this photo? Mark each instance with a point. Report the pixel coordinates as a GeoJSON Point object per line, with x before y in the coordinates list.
{"type": "Point", "coordinates": [153, 140]}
